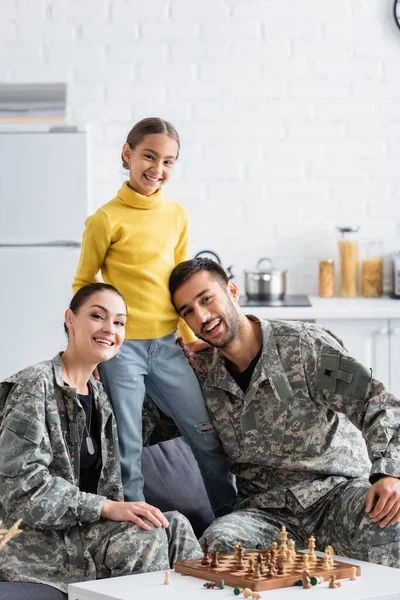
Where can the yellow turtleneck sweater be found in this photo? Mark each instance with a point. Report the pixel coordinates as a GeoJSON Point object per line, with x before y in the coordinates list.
{"type": "Point", "coordinates": [136, 241]}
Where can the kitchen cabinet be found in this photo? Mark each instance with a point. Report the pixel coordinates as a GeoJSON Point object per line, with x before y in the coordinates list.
{"type": "Point", "coordinates": [394, 350]}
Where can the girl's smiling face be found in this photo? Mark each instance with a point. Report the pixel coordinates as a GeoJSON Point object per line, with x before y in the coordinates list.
{"type": "Point", "coordinates": [151, 162]}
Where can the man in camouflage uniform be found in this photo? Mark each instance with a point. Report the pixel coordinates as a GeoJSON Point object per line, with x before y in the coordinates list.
{"type": "Point", "coordinates": [313, 439]}
{"type": "Point", "coordinates": [64, 537]}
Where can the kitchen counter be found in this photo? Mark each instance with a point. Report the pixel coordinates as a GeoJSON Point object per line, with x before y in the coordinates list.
{"type": "Point", "coordinates": [331, 308]}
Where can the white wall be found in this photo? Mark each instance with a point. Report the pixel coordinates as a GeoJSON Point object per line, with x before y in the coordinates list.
{"type": "Point", "coordinates": [288, 110]}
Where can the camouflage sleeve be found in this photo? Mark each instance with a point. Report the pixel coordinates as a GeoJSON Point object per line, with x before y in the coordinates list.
{"type": "Point", "coordinates": [202, 364]}
{"type": "Point", "coordinates": [340, 383]}
{"type": "Point", "coordinates": [28, 491]}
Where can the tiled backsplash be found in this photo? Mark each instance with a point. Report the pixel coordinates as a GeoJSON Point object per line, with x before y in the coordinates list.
{"type": "Point", "coordinates": [288, 112]}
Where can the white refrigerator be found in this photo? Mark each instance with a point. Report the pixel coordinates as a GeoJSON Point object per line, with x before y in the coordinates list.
{"type": "Point", "coordinates": [43, 206]}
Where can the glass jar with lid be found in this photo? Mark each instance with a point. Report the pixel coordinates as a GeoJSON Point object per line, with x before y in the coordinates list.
{"type": "Point", "coordinates": [349, 267]}
{"type": "Point", "coordinates": [327, 278]}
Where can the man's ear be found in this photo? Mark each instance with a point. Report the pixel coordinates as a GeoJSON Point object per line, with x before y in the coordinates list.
{"type": "Point", "coordinates": [233, 290]}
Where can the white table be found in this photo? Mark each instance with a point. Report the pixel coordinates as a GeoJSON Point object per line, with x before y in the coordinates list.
{"type": "Point", "coordinates": [376, 582]}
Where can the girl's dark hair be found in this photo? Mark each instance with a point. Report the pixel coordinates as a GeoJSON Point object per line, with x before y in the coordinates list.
{"type": "Point", "coordinates": [85, 292]}
{"type": "Point", "coordinates": [147, 127]}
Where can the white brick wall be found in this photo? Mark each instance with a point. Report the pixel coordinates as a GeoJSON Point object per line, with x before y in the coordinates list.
{"type": "Point", "coordinates": [289, 111]}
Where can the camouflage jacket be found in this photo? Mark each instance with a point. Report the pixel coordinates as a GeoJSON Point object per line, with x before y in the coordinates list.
{"type": "Point", "coordinates": [40, 437]}
{"type": "Point", "coordinates": [301, 423]}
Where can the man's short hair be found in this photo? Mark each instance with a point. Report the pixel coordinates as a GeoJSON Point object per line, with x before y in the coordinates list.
{"type": "Point", "coordinates": [188, 268]}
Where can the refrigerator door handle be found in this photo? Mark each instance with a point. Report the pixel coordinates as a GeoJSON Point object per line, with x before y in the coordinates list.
{"type": "Point", "coordinates": [50, 244]}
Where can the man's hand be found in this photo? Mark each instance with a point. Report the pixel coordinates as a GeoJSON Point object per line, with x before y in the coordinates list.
{"type": "Point", "coordinates": [191, 348]}
{"type": "Point", "coordinates": [387, 508]}
{"type": "Point", "coordinates": [133, 511]}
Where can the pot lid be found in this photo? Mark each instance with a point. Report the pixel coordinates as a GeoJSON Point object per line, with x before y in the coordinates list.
{"type": "Point", "coordinates": [266, 271]}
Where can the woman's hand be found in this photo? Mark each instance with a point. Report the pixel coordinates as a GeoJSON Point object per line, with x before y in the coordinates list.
{"type": "Point", "coordinates": [134, 511]}
{"type": "Point", "coordinates": [191, 348]}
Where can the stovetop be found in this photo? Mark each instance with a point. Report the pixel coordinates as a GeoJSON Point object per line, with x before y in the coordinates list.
{"type": "Point", "coordinates": [295, 300]}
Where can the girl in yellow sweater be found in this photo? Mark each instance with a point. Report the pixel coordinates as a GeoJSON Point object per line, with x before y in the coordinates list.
{"type": "Point", "coordinates": [135, 240]}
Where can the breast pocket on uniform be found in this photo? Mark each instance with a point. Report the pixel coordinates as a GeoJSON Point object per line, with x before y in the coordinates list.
{"type": "Point", "coordinates": [263, 422]}
{"type": "Point", "coordinates": [305, 425]}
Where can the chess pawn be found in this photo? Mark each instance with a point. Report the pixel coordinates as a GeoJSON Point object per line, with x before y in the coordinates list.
{"type": "Point", "coordinates": [353, 576]}
{"type": "Point", "coordinates": [166, 580]}
{"type": "Point", "coordinates": [214, 560]}
{"type": "Point", "coordinates": [247, 593]}
{"type": "Point", "coordinates": [326, 564]}
{"type": "Point", "coordinates": [274, 550]}
{"type": "Point", "coordinates": [306, 564]}
{"type": "Point", "coordinates": [332, 582]}
{"type": "Point", "coordinates": [250, 568]}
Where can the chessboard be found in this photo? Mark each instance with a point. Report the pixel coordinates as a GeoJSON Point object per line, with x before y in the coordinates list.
{"type": "Point", "coordinates": [268, 569]}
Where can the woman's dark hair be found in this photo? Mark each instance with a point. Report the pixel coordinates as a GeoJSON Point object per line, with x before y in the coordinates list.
{"type": "Point", "coordinates": [85, 292]}
{"type": "Point", "coordinates": [188, 268]}
{"type": "Point", "coordinates": [147, 127]}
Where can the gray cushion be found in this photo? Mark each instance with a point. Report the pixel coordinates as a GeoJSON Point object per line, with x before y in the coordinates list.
{"type": "Point", "coordinates": [173, 482]}
{"type": "Point", "coordinates": [29, 591]}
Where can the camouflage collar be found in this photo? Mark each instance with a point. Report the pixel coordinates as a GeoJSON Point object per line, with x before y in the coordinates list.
{"type": "Point", "coordinates": [268, 367]}
{"type": "Point", "coordinates": [219, 377]}
{"type": "Point", "coordinates": [96, 385]}
{"type": "Point", "coordinates": [270, 362]}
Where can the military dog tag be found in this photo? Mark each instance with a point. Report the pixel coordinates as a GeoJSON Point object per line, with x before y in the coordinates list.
{"type": "Point", "coordinates": [89, 445]}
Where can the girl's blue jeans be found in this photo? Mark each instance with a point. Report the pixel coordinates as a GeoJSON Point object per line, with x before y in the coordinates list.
{"type": "Point", "coordinates": [160, 368]}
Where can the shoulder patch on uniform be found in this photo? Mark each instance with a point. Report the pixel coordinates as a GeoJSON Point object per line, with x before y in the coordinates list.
{"type": "Point", "coordinates": [24, 426]}
{"type": "Point", "coordinates": [343, 375]}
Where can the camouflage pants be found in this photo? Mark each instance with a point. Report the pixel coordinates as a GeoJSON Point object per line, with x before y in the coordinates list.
{"type": "Point", "coordinates": [338, 519]}
{"type": "Point", "coordinates": [124, 548]}
{"type": "Point", "coordinates": [101, 549]}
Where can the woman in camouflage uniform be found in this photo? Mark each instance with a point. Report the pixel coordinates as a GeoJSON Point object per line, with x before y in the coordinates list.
{"type": "Point", "coordinates": [60, 469]}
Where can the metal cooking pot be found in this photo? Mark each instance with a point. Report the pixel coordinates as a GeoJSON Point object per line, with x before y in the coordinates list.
{"type": "Point", "coordinates": [265, 284]}
{"type": "Point", "coordinates": [216, 258]}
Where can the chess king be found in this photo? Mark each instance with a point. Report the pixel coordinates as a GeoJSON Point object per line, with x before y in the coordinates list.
{"type": "Point", "coordinates": [313, 438]}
